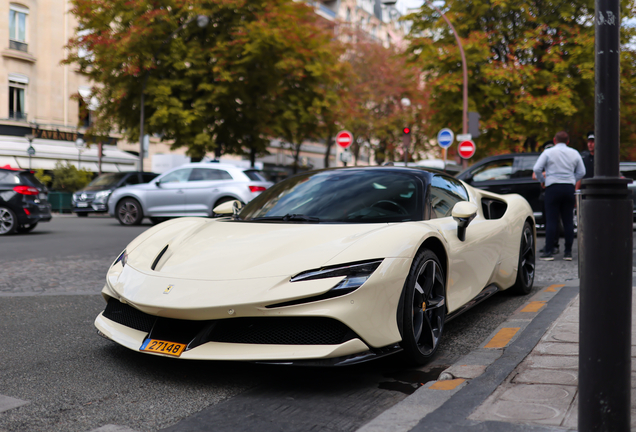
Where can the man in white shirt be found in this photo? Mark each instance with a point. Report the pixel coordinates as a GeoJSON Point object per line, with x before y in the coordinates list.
{"type": "Point", "coordinates": [563, 168]}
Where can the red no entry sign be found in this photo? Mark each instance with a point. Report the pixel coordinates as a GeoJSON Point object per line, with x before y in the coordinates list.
{"type": "Point", "coordinates": [344, 138]}
{"type": "Point", "coordinates": [466, 149]}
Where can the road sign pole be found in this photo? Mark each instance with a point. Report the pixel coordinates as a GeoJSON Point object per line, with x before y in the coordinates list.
{"type": "Point", "coordinates": [605, 252]}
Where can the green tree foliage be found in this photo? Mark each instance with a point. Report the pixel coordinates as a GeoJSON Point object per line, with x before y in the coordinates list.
{"type": "Point", "coordinates": [221, 88]}
{"type": "Point", "coordinates": [530, 66]}
{"type": "Point", "coordinates": [67, 178]}
{"type": "Point", "coordinates": [43, 177]}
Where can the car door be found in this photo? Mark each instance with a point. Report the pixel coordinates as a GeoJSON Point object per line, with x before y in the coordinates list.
{"type": "Point", "coordinates": [202, 190]}
{"type": "Point", "coordinates": [472, 261]}
{"type": "Point", "coordinates": [165, 196]}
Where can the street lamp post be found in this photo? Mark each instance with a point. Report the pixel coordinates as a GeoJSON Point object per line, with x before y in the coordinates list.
{"type": "Point", "coordinates": [30, 150]}
{"type": "Point", "coordinates": [406, 136]}
{"type": "Point", "coordinates": [79, 143]}
{"type": "Point", "coordinates": [202, 21]}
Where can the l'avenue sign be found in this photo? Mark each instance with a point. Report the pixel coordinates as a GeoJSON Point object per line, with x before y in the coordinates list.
{"type": "Point", "coordinates": [49, 134]}
{"type": "Point", "coordinates": [54, 135]}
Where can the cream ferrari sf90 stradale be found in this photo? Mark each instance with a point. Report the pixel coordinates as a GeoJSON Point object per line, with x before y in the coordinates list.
{"type": "Point", "coordinates": [327, 267]}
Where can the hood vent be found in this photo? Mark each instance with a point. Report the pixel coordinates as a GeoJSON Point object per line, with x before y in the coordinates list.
{"type": "Point", "coordinates": [163, 251]}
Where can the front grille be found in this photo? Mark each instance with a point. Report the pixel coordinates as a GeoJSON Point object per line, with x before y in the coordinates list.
{"type": "Point", "coordinates": [260, 331]}
{"type": "Point", "coordinates": [282, 331]}
{"type": "Point", "coordinates": [128, 316]}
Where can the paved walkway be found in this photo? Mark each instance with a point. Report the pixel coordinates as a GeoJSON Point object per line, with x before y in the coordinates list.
{"type": "Point", "coordinates": [524, 377]}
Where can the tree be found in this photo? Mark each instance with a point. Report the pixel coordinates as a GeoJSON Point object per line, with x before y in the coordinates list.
{"type": "Point", "coordinates": [217, 88]}
{"type": "Point", "coordinates": [530, 65]}
{"type": "Point", "coordinates": [373, 109]}
{"type": "Point", "coordinates": [67, 178]}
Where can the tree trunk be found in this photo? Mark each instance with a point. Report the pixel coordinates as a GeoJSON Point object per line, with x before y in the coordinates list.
{"type": "Point", "coordinates": [252, 157]}
{"type": "Point", "coordinates": [329, 142]}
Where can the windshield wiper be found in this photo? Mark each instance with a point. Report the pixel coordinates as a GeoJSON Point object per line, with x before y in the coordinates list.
{"type": "Point", "coordinates": [288, 217]}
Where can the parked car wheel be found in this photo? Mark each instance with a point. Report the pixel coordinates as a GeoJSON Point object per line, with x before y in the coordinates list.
{"type": "Point", "coordinates": [8, 221]}
{"type": "Point", "coordinates": [27, 228]}
{"type": "Point", "coordinates": [525, 267]}
{"type": "Point", "coordinates": [424, 308]}
{"type": "Point", "coordinates": [129, 212]}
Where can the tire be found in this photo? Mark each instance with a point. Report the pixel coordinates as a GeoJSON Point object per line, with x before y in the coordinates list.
{"type": "Point", "coordinates": [82, 214]}
{"type": "Point", "coordinates": [8, 221]}
{"type": "Point", "coordinates": [422, 327]}
{"type": "Point", "coordinates": [526, 264]}
{"type": "Point", "coordinates": [129, 212]}
{"type": "Point", "coordinates": [27, 228]}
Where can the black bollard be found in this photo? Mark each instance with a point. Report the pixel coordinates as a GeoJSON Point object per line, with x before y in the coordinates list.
{"type": "Point", "coordinates": [605, 252]}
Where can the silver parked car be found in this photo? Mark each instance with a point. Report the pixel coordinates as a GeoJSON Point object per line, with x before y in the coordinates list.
{"type": "Point", "coordinates": [189, 190]}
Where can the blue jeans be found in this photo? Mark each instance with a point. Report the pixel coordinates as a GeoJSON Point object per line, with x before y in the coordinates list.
{"type": "Point", "coordinates": [559, 203]}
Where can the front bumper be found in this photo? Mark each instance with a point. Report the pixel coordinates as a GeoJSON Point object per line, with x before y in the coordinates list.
{"type": "Point", "coordinates": [367, 315]}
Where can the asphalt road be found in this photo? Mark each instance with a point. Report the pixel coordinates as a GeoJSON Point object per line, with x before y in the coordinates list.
{"type": "Point", "coordinates": [74, 380]}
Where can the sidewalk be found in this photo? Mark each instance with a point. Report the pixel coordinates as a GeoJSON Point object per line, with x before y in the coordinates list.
{"type": "Point", "coordinates": [523, 377]}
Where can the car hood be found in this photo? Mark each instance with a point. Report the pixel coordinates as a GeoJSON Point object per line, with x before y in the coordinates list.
{"type": "Point", "coordinates": [204, 249]}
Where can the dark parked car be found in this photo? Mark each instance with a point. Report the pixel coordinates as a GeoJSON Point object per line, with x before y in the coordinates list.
{"type": "Point", "coordinates": [94, 197]}
{"type": "Point", "coordinates": [508, 173]}
{"type": "Point", "coordinates": [512, 173]}
{"type": "Point", "coordinates": [23, 201]}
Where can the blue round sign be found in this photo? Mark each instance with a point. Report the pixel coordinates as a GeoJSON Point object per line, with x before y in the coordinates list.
{"type": "Point", "coordinates": [445, 138]}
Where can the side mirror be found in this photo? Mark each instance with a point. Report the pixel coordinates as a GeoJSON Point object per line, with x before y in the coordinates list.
{"type": "Point", "coordinates": [463, 212]}
{"type": "Point", "coordinates": [228, 208]}
{"type": "Point", "coordinates": [157, 183]}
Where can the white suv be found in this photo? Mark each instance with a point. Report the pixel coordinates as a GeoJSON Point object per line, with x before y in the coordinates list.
{"type": "Point", "coordinates": [189, 190]}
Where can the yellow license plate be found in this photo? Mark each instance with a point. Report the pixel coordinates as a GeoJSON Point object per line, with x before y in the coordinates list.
{"type": "Point", "coordinates": [163, 347]}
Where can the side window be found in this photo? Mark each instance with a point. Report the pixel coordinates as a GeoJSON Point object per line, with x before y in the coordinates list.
{"type": "Point", "coordinates": [147, 178]}
{"type": "Point", "coordinates": [9, 177]}
{"type": "Point", "coordinates": [496, 170]}
{"type": "Point", "coordinates": [178, 176]}
{"type": "Point", "coordinates": [132, 179]}
{"type": "Point", "coordinates": [523, 166]}
{"type": "Point", "coordinates": [206, 174]}
{"type": "Point", "coordinates": [445, 193]}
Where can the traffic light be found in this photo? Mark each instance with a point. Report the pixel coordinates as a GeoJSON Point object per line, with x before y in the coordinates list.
{"type": "Point", "coordinates": [406, 131]}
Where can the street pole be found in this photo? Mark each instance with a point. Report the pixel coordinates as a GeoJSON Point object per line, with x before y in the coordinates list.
{"type": "Point", "coordinates": [605, 251]}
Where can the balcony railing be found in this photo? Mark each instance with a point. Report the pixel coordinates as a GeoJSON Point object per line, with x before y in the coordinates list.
{"type": "Point", "coordinates": [17, 115]}
{"type": "Point", "coordinates": [20, 46]}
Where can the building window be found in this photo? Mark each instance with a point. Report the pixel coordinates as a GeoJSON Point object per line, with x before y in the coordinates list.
{"type": "Point", "coordinates": [17, 96]}
{"type": "Point", "coordinates": [18, 27]}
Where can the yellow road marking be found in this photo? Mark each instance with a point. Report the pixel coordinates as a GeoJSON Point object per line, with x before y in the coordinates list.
{"type": "Point", "coordinates": [534, 306]}
{"type": "Point", "coordinates": [553, 288]}
{"type": "Point", "coordinates": [502, 338]}
{"type": "Point", "coordinates": [447, 385]}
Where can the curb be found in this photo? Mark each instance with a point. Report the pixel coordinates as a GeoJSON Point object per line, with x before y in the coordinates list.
{"type": "Point", "coordinates": [445, 404]}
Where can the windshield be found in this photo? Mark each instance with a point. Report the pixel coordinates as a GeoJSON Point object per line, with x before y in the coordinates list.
{"type": "Point", "coordinates": [107, 180]}
{"type": "Point", "coordinates": [347, 195]}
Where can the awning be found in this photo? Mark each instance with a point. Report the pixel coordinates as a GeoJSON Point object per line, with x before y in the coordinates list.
{"type": "Point", "coordinates": [13, 152]}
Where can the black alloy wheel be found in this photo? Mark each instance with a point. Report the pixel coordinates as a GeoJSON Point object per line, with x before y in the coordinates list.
{"type": "Point", "coordinates": [8, 221]}
{"type": "Point", "coordinates": [27, 228]}
{"type": "Point", "coordinates": [424, 308]}
{"type": "Point", "coordinates": [525, 268]}
{"type": "Point", "coordinates": [129, 212]}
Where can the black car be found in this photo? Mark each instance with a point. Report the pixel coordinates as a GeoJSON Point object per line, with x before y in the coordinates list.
{"type": "Point", "coordinates": [94, 197]}
{"type": "Point", "coordinates": [508, 173]}
{"type": "Point", "coordinates": [23, 201]}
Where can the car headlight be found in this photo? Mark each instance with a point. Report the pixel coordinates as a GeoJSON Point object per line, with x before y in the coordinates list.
{"type": "Point", "coordinates": [102, 196]}
{"type": "Point", "coordinates": [355, 274]}
{"type": "Point", "coordinates": [123, 257]}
